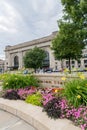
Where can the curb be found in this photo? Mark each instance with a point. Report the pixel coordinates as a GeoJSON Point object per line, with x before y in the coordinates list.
{"type": "Point", "coordinates": [34, 116]}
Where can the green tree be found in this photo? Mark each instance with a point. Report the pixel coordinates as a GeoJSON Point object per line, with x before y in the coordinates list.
{"type": "Point", "coordinates": [76, 11]}
{"type": "Point", "coordinates": [34, 58]}
{"type": "Point", "coordinates": [72, 36]}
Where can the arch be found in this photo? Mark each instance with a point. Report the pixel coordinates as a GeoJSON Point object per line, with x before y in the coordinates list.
{"type": "Point", "coordinates": [46, 61]}
{"type": "Point", "coordinates": [16, 62]}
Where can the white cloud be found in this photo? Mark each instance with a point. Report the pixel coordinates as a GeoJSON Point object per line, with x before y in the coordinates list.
{"type": "Point", "coordinates": [25, 20]}
{"type": "Point", "coordinates": [3, 28]}
{"type": "Point", "coordinates": [48, 6]}
{"type": "Point", "coordinates": [2, 56]}
{"type": "Point", "coordinates": [8, 17]}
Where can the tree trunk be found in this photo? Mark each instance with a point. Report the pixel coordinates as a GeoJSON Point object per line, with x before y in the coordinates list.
{"type": "Point", "coordinates": [69, 66]}
{"type": "Point", "coordinates": [35, 70]}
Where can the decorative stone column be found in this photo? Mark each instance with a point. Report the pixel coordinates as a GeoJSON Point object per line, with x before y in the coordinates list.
{"type": "Point", "coordinates": [82, 63]}
{"type": "Point", "coordinates": [76, 64]}
{"type": "Point", "coordinates": [52, 60]}
{"type": "Point", "coordinates": [7, 60]}
{"type": "Point", "coordinates": [20, 55]}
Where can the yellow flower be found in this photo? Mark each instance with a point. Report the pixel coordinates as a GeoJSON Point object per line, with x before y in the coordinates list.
{"type": "Point", "coordinates": [63, 78]}
{"type": "Point", "coordinates": [56, 90]}
{"type": "Point", "coordinates": [82, 76]}
{"type": "Point", "coordinates": [66, 70]}
{"type": "Point", "coordinates": [79, 96]}
{"type": "Point", "coordinates": [6, 83]}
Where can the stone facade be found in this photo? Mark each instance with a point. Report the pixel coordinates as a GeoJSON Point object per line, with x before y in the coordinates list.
{"type": "Point", "coordinates": [14, 54]}
{"type": "Point", "coordinates": [2, 62]}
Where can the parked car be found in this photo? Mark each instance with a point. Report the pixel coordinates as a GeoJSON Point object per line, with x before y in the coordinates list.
{"type": "Point", "coordinates": [57, 70]}
{"type": "Point", "coordinates": [25, 72]}
{"type": "Point", "coordinates": [48, 70]}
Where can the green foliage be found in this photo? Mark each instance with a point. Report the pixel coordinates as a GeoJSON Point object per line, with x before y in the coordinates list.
{"type": "Point", "coordinates": [14, 81]}
{"type": "Point", "coordinates": [76, 92]}
{"type": "Point", "coordinates": [34, 58]}
{"type": "Point", "coordinates": [32, 80]}
{"type": "Point", "coordinates": [75, 9]}
{"type": "Point", "coordinates": [76, 12]}
{"type": "Point", "coordinates": [35, 99]}
{"type": "Point", "coordinates": [72, 35]}
{"type": "Point", "coordinates": [3, 76]}
{"type": "Point", "coordinates": [64, 45]}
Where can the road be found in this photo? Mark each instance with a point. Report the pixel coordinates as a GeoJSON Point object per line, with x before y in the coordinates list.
{"type": "Point", "coordinates": [11, 122]}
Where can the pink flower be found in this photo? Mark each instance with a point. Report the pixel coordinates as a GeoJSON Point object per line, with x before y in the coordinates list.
{"type": "Point", "coordinates": [83, 126]}
{"type": "Point", "coordinates": [47, 98]}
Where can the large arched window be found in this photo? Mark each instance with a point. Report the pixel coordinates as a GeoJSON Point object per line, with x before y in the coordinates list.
{"type": "Point", "coordinates": [16, 62]}
{"type": "Point", "coordinates": [46, 61]}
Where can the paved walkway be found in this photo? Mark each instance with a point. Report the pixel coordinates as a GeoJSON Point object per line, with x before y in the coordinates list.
{"type": "Point", "coordinates": [11, 122]}
{"type": "Point", "coordinates": [32, 115]}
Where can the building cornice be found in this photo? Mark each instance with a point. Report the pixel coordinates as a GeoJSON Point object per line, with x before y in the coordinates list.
{"type": "Point", "coordinates": [31, 43]}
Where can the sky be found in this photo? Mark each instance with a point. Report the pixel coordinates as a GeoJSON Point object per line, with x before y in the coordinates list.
{"type": "Point", "coordinates": [26, 20]}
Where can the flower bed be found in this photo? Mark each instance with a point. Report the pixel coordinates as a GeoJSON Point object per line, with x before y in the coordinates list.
{"type": "Point", "coordinates": [69, 102]}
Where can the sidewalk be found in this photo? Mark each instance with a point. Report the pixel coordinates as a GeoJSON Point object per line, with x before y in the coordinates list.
{"type": "Point", "coordinates": [34, 116]}
{"type": "Point", "coordinates": [11, 122]}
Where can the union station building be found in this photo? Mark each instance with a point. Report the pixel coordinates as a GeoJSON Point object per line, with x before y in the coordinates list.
{"type": "Point", "coordinates": [14, 55]}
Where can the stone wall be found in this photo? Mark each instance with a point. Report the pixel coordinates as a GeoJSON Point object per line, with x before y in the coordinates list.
{"type": "Point", "coordinates": [52, 80]}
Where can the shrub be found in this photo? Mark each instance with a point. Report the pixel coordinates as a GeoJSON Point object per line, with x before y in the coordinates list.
{"type": "Point", "coordinates": [32, 80]}
{"type": "Point", "coordinates": [3, 76]}
{"type": "Point", "coordinates": [11, 94]}
{"type": "Point", "coordinates": [14, 81]}
{"type": "Point", "coordinates": [35, 99]}
{"type": "Point", "coordinates": [76, 92]}
{"type": "Point", "coordinates": [53, 108]}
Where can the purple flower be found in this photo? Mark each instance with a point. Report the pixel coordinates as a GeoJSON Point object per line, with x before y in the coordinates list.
{"type": "Point", "coordinates": [47, 98]}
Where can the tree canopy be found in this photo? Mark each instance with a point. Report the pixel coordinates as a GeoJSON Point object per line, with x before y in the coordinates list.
{"type": "Point", "coordinates": [72, 35]}
{"type": "Point", "coordinates": [34, 58]}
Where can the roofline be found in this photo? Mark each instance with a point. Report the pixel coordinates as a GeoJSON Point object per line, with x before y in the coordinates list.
{"type": "Point", "coordinates": [33, 42]}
